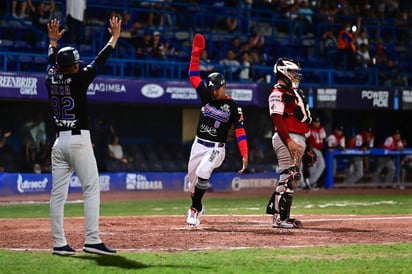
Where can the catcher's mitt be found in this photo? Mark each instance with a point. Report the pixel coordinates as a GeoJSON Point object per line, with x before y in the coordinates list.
{"type": "Point", "coordinates": [309, 157]}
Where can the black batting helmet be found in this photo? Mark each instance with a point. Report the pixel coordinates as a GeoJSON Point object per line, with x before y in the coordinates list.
{"type": "Point", "coordinates": [215, 80]}
{"type": "Point", "coordinates": [67, 57]}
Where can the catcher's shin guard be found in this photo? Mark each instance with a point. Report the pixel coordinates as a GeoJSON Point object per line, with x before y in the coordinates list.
{"type": "Point", "coordinates": [270, 208]}
{"type": "Point", "coordinates": [273, 204]}
{"type": "Point", "coordinates": [285, 203]}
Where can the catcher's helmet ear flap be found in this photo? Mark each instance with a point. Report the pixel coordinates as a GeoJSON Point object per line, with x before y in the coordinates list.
{"type": "Point", "coordinates": [288, 70]}
{"type": "Point", "coordinates": [67, 57]}
{"type": "Point", "coordinates": [215, 80]}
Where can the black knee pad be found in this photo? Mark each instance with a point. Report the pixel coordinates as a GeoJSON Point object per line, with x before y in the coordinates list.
{"type": "Point", "coordinates": [294, 176]}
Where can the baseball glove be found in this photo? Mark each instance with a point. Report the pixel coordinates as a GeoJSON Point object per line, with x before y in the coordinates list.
{"type": "Point", "coordinates": [309, 157]}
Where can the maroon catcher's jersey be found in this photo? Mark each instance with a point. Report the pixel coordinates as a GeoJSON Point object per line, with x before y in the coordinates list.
{"type": "Point", "coordinates": [292, 105]}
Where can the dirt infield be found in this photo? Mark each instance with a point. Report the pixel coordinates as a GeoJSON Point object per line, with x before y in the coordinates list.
{"type": "Point", "coordinates": [170, 233]}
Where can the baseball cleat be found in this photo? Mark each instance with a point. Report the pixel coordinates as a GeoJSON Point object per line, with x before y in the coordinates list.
{"type": "Point", "coordinates": [193, 216]}
{"type": "Point", "coordinates": [100, 249]}
{"type": "Point", "coordinates": [64, 250]}
{"type": "Point", "coordinates": [288, 223]}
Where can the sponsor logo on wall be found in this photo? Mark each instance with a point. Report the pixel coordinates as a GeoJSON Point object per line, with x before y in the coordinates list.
{"type": "Point", "coordinates": [31, 185]}
{"type": "Point", "coordinates": [326, 97]}
{"type": "Point", "coordinates": [25, 85]}
{"type": "Point", "coordinates": [141, 182]}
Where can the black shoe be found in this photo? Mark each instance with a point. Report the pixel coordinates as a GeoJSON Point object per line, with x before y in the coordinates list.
{"type": "Point", "coordinates": [99, 249]}
{"type": "Point", "coordinates": [64, 250]}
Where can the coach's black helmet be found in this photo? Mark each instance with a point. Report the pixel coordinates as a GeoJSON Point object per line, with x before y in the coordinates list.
{"type": "Point", "coordinates": [67, 57]}
{"type": "Point", "coordinates": [289, 71]}
{"type": "Point", "coordinates": [215, 80]}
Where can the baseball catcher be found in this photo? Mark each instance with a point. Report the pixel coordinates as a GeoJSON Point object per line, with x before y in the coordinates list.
{"type": "Point", "coordinates": [291, 118]}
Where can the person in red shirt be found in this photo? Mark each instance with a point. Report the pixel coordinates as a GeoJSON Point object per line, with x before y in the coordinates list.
{"type": "Point", "coordinates": [364, 140]}
{"type": "Point", "coordinates": [392, 142]}
{"type": "Point", "coordinates": [316, 137]}
{"type": "Point", "coordinates": [291, 118]}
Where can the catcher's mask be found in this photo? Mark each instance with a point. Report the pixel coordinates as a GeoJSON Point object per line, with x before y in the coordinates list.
{"type": "Point", "coordinates": [289, 71]}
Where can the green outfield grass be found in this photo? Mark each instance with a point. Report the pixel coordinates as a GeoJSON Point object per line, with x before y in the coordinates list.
{"type": "Point", "coordinates": [359, 258]}
{"type": "Point", "coordinates": [302, 204]}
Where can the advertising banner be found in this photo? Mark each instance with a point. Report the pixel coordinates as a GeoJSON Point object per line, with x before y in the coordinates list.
{"type": "Point", "coordinates": [30, 183]}
{"type": "Point", "coordinates": [116, 90]}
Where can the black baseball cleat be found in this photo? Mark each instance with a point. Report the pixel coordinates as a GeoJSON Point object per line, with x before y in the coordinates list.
{"type": "Point", "coordinates": [100, 249]}
{"type": "Point", "coordinates": [64, 250]}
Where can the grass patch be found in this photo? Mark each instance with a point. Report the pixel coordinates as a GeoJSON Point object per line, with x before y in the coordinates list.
{"type": "Point", "coordinates": [303, 204]}
{"type": "Point", "coordinates": [359, 258]}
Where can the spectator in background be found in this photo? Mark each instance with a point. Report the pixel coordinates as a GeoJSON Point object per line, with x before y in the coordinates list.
{"type": "Point", "coordinates": [362, 38]}
{"type": "Point", "coordinates": [390, 75]}
{"type": "Point", "coordinates": [75, 10]}
{"type": "Point", "coordinates": [100, 132]}
{"type": "Point", "coordinates": [303, 19]}
{"type": "Point", "coordinates": [236, 46]}
{"type": "Point", "coordinates": [402, 25]}
{"type": "Point", "coordinates": [327, 12]}
{"type": "Point", "coordinates": [23, 8]}
{"type": "Point", "coordinates": [329, 44]}
{"type": "Point", "coordinates": [231, 65]}
{"type": "Point", "coordinates": [346, 49]}
{"type": "Point", "coordinates": [246, 72]}
{"type": "Point", "coordinates": [7, 161]}
{"type": "Point", "coordinates": [117, 158]}
{"type": "Point", "coordinates": [363, 56]}
{"type": "Point", "coordinates": [159, 47]}
{"type": "Point", "coordinates": [129, 26]}
{"type": "Point", "coordinates": [231, 21]}
{"type": "Point", "coordinates": [364, 141]}
{"type": "Point", "coordinates": [42, 15]}
{"type": "Point", "coordinates": [144, 44]}
{"type": "Point", "coordinates": [255, 42]}
{"type": "Point", "coordinates": [380, 56]}
{"type": "Point", "coordinates": [387, 163]}
{"type": "Point", "coordinates": [154, 15]}
{"type": "Point", "coordinates": [35, 145]}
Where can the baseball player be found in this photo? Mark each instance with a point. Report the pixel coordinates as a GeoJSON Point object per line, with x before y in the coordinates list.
{"type": "Point", "coordinates": [364, 140]}
{"type": "Point", "coordinates": [217, 115]}
{"type": "Point", "coordinates": [291, 117]}
{"type": "Point", "coordinates": [316, 137]}
{"type": "Point", "coordinates": [392, 142]}
{"type": "Point", "coordinates": [72, 151]}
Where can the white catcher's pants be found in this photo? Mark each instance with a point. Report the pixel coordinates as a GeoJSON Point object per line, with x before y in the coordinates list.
{"type": "Point", "coordinates": [74, 153]}
{"type": "Point", "coordinates": [285, 161]}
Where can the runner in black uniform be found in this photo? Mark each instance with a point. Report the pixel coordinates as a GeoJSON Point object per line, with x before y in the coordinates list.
{"type": "Point", "coordinates": [218, 113]}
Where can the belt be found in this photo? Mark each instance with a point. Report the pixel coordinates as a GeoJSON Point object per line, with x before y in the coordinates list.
{"type": "Point", "coordinates": [291, 132]}
{"type": "Point", "coordinates": [72, 132]}
{"type": "Point", "coordinates": [210, 144]}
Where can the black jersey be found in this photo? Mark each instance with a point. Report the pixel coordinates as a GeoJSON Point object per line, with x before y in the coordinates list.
{"type": "Point", "coordinates": [68, 92]}
{"type": "Point", "coordinates": [217, 116]}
